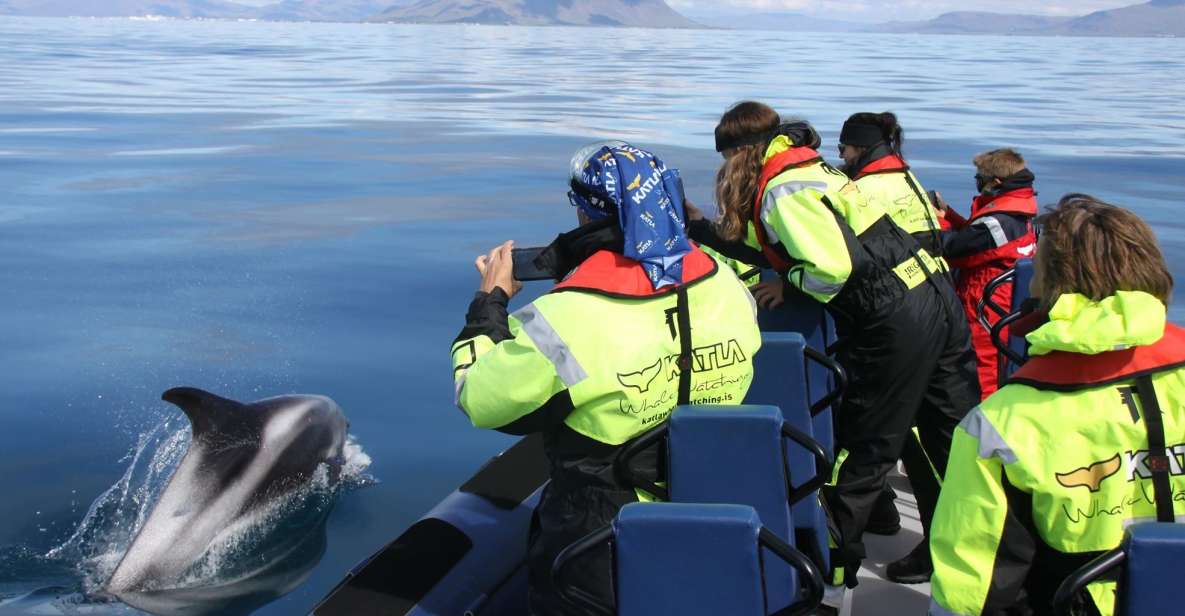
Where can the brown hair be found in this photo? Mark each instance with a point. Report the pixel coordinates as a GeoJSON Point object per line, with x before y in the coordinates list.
{"type": "Point", "coordinates": [1095, 248]}
{"type": "Point", "coordinates": [999, 163]}
{"type": "Point", "coordinates": [736, 182]}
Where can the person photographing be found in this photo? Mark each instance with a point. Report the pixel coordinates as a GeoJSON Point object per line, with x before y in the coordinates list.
{"type": "Point", "coordinates": [639, 321]}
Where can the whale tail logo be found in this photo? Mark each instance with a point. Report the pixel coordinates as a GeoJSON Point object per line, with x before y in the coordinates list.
{"type": "Point", "coordinates": [636, 183]}
{"type": "Point", "coordinates": [1090, 477]}
{"type": "Point", "coordinates": [642, 379]}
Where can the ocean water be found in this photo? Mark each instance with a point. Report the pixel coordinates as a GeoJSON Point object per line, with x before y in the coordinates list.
{"type": "Point", "coordinates": [258, 209]}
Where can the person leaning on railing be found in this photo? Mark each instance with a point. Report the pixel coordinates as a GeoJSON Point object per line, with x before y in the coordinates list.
{"type": "Point", "coordinates": [1084, 440]}
{"type": "Point", "coordinates": [871, 147]}
{"type": "Point", "coordinates": [980, 248]}
{"type": "Point", "coordinates": [907, 350]}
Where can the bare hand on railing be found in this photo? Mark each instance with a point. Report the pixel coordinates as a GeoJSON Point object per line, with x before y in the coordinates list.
{"type": "Point", "coordinates": [769, 294]}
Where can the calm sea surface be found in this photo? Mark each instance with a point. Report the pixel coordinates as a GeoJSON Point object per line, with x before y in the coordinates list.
{"type": "Point", "coordinates": [257, 209]}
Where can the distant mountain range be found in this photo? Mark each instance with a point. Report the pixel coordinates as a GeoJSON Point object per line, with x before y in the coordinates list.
{"type": "Point", "coordinates": [188, 9]}
{"type": "Point", "coordinates": [323, 10]}
{"type": "Point", "coordinates": [772, 21]}
{"type": "Point", "coordinates": [1155, 18]}
{"type": "Point", "coordinates": [648, 13]}
{"type": "Point", "coordinates": [974, 22]}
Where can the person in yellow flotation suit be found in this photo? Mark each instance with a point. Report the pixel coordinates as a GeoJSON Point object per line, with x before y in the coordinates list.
{"type": "Point", "coordinates": [1092, 424]}
{"type": "Point", "coordinates": [871, 147]}
{"type": "Point", "coordinates": [906, 345]}
{"type": "Point", "coordinates": [640, 320]}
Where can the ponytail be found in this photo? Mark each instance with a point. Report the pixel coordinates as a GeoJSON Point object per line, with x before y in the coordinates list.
{"type": "Point", "coordinates": [894, 135]}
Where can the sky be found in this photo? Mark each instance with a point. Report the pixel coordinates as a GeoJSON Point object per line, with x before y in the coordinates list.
{"type": "Point", "coordinates": [894, 10]}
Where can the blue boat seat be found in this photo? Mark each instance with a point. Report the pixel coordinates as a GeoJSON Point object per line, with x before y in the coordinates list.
{"type": "Point", "coordinates": [739, 454]}
{"type": "Point", "coordinates": [1020, 293]}
{"type": "Point", "coordinates": [1150, 556]}
{"type": "Point", "coordinates": [779, 378]}
{"type": "Point", "coordinates": [808, 318]}
{"type": "Point", "coordinates": [1012, 353]}
{"type": "Point", "coordinates": [677, 558]}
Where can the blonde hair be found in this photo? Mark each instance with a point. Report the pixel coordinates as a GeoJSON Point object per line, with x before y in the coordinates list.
{"type": "Point", "coordinates": [999, 163]}
{"type": "Point", "coordinates": [736, 182]}
{"type": "Point", "coordinates": [1094, 248]}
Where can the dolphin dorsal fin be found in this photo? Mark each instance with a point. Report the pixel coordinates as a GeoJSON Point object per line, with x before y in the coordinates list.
{"type": "Point", "coordinates": [204, 409]}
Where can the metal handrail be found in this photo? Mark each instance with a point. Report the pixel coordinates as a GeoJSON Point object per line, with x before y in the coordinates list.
{"type": "Point", "coordinates": [841, 379]}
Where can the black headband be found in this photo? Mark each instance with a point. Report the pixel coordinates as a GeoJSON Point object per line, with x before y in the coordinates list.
{"type": "Point", "coordinates": [863, 135]}
{"type": "Point", "coordinates": [727, 143]}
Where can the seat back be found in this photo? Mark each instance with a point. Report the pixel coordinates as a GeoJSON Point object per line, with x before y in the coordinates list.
{"type": "Point", "coordinates": [1155, 552]}
{"type": "Point", "coordinates": [1020, 292]}
{"type": "Point", "coordinates": [673, 558]}
{"type": "Point", "coordinates": [780, 378]}
{"type": "Point", "coordinates": [737, 455]}
{"type": "Point", "coordinates": [810, 320]}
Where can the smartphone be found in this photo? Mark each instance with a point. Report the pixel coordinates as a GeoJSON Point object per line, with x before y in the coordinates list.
{"type": "Point", "coordinates": [934, 202]}
{"type": "Point", "coordinates": [524, 264]}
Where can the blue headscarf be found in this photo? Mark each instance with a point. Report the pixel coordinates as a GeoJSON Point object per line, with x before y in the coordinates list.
{"type": "Point", "coordinates": [647, 198]}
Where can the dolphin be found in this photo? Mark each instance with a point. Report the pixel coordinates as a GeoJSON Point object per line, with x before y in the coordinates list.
{"type": "Point", "coordinates": [241, 458]}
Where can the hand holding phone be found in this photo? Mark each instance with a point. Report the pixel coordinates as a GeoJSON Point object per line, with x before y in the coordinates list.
{"type": "Point", "coordinates": [937, 201]}
{"type": "Point", "coordinates": [497, 270]}
{"type": "Point", "coordinates": [525, 268]}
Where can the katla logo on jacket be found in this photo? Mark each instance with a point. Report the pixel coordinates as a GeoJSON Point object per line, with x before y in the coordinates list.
{"type": "Point", "coordinates": [703, 359]}
{"type": "Point", "coordinates": [1138, 463]}
{"type": "Point", "coordinates": [1091, 476]}
{"type": "Point", "coordinates": [642, 379]}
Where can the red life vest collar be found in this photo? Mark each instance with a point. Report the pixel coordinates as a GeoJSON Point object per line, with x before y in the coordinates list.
{"type": "Point", "coordinates": [612, 274]}
{"type": "Point", "coordinates": [1019, 201]}
{"type": "Point", "coordinates": [1065, 371]}
{"type": "Point", "coordinates": [794, 157]}
{"type": "Point", "coordinates": [885, 164]}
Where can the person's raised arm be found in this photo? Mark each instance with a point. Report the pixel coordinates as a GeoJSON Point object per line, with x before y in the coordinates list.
{"type": "Point", "coordinates": [494, 349]}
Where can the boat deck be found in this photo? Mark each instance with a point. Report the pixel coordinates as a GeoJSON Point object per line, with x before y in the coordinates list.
{"type": "Point", "coordinates": [876, 596]}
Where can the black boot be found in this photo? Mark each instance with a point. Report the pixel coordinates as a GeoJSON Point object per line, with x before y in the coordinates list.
{"type": "Point", "coordinates": [884, 519]}
{"type": "Point", "coordinates": [913, 568]}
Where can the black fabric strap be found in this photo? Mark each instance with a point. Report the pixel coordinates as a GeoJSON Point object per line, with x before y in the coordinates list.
{"type": "Point", "coordinates": [926, 203]}
{"type": "Point", "coordinates": [685, 359]}
{"type": "Point", "coordinates": [860, 134]}
{"type": "Point", "coordinates": [1157, 461]}
{"type": "Point", "coordinates": [727, 143]}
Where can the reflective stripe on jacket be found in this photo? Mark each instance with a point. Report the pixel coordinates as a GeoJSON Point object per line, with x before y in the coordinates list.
{"type": "Point", "coordinates": [1005, 250]}
{"type": "Point", "coordinates": [1048, 472]}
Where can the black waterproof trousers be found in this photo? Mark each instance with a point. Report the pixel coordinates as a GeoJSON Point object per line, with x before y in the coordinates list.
{"type": "Point", "coordinates": [911, 365]}
{"type": "Point", "coordinates": [563, 517]}
{"type": "Point", "coordinates": [584, 495]}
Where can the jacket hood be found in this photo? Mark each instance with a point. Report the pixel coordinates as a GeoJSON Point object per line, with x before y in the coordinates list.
{"type": "Point", "coordinates": [1078, 324]}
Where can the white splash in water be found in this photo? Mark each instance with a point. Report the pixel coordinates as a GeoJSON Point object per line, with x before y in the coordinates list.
{"type": "Point", "coordinates": [111, 523]}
